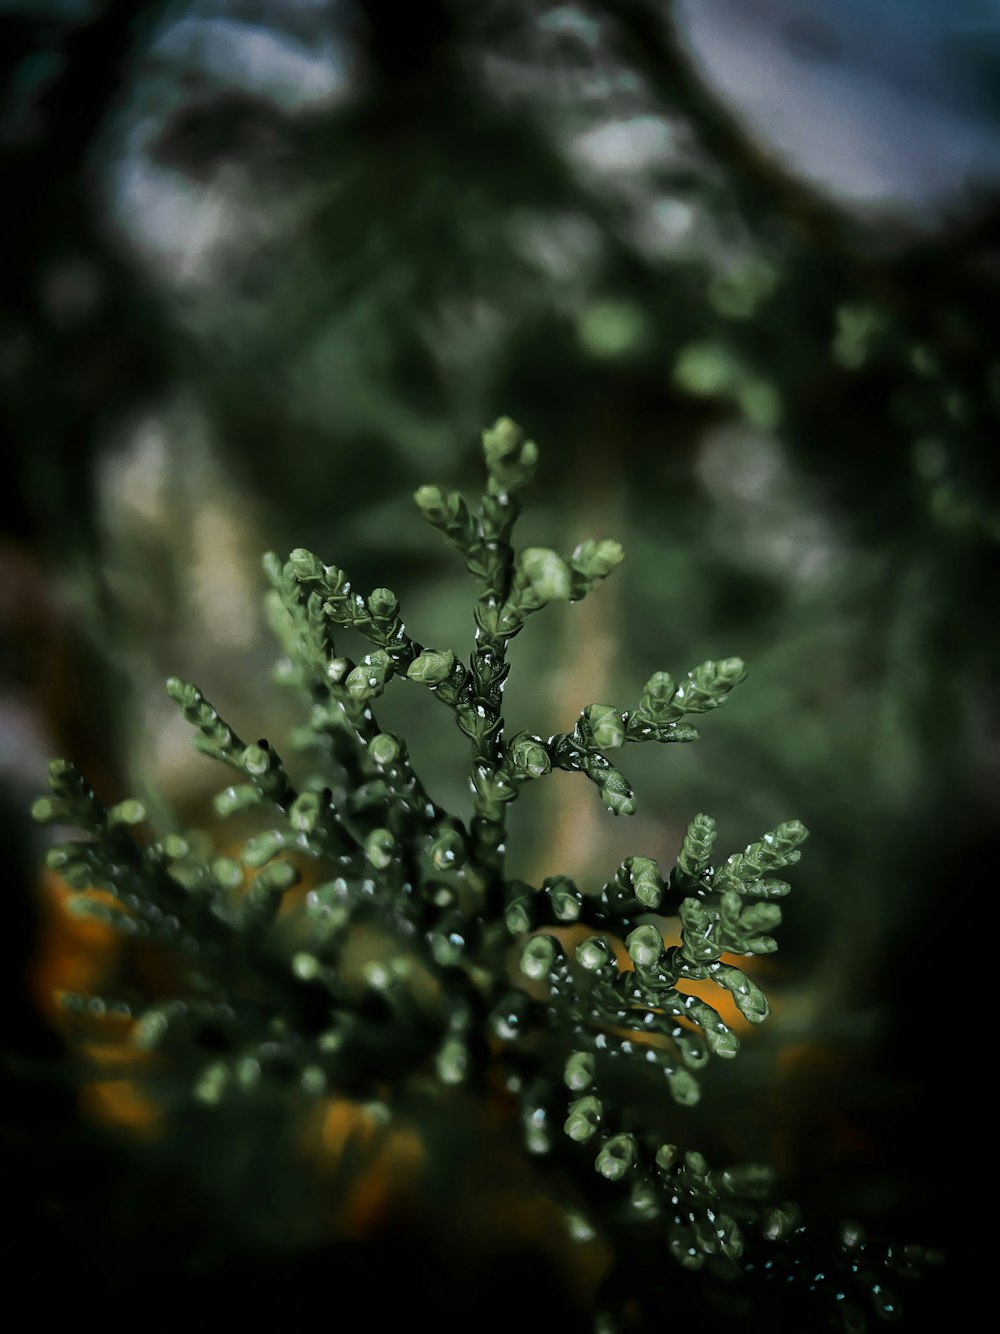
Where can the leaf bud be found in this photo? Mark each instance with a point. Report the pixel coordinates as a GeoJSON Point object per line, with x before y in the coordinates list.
{"type": "Point", "coordinates": [760, 945]}
{"type": "Point", "coordinates": [563, 897]}
{"type": "Point", "coordinates": [384, 749]}
{"type": "Point", "coordinates": [305, 812]}
{"type": "Point", "coordinates": [383, 604]}
{"type": "Point", "coordinates": [432, 502]}
{"type": "Point", "coordinates": [666, 1156]}
{"type": "Point", "coordinates": [537, 957]}
{"type": "Point", "coordinates": [618, 795]}
{"type": "Point", "coordinates": [380, 846]}
{"type": "Point", "coordinates": [789, 834]}
{"type": "Point", "coordinates": [593, 953]}
{"type": "Point", "coordinates": [260, 849]}
{"type": "Point", "coordinates": [579, 1070]}
{"type": "Point", "coordinates": [338, 588]}
{"type": "Point", "coordinates": [647, 884]}
{"type": "Point", "coordinates": [46, 810]}
{"type": "Point", "coordinates": [779, 1221]}
{"type": "Point", "coordinates": [518, 915]}
{"type": "Point", "coordinates": [369, 677]}
{"type": "Point", "coordinates": [276, 878]}
{"type": "Point", "coordinates": [232, 800]}
{"type": "Point", "coordinates": [596, 560]}
{"type": "Point", "coordinates": [760, 918]}
{"type": "Point", "coordinates": [616, 1157]}
{"type": "Point", "coordinates": [187, 696]}
{"type": "Point", "coordinates": [432, 666]}
{"type": "Point", "coordinates": [304, 564]}
{"type": "Point", "coordinates": [501, 440]}
{"type": "Point", "coordinates": [696, 1163]}
{"type": "Point", "coordinates": [128, 812]}
{"type": "Point", "coordinates": [448, 850]}
{"type": "Point", "coordinates": [699, 843]}
{"type": "Point", "coordinates": [175, 846]}
{"type": "Point", "coordinates": [529, 757]}
{"type": "Point", "coordinates": [547, 573]}
{"type": "Point", "coordinates": [509, 457]}
{"type": "Point", "coordinates": [683, 1087]}
{"type": "Point", "coordinates": [645, 946]}
{"type": "Point", "coordinates": [606, 726]}
{"type": "Point", "coordinates": [584, 1118]}
{"type": "Point", "coordinates": [256, 760]}
{"type": "Point", "coordinates": [660, 687]}
{"type": "Point", "coordinates": [227, 872]}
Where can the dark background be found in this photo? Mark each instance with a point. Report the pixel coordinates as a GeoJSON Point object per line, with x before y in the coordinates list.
{"type": "Point", "coordinates": [268, 267]}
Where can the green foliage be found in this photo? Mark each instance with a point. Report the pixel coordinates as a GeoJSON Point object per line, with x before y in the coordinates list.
{"type": "Point", "coordinates": [600, 1038]}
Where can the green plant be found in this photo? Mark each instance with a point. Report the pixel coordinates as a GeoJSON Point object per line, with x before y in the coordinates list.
{"type": "Point", "coordinates": [566, 1000]}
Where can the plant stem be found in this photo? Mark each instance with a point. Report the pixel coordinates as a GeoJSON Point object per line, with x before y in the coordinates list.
{"type": "Point", "coordinates": [488, 672]}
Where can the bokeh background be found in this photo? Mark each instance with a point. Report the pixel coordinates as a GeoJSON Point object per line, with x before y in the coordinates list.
{"type": "Point", "coordinates": [268, 266]}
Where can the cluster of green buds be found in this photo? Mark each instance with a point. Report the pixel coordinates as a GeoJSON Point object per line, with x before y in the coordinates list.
{"type": "Point", "coordinates": [434, 1006]}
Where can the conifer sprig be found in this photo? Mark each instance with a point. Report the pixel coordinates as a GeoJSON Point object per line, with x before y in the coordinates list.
{"type": "Point", "coordinates": [600, 1039]}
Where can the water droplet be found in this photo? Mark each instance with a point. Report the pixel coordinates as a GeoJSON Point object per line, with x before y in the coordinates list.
{"type": "Point", "coordinates": [885, 1303]}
